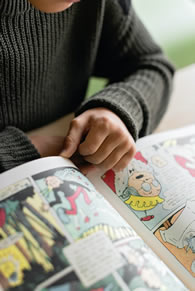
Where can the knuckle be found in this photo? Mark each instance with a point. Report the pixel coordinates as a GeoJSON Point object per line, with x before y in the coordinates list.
{"type": "Point", "coordinates": [91, 149]}
{"type": "Point", "coordinates": [103, 123]}
{"type": "Point", "coordinates": [121, 132]}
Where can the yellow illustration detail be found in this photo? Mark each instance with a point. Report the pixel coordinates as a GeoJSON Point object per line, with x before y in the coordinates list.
{"type": "Point", "coordinates": [143, 203]}
{"type": "Point", "coordinates": [12, 265]}
{"type": "Point", "coordinates": [115, 233]}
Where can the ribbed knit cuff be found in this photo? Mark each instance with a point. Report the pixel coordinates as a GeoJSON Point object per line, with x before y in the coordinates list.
{"type": "Point", "coordinates": [122, 103]}
{"type": "Point", "coordinates": [15, 149]}
{"type": "Point", "coordinates": [14, 7]}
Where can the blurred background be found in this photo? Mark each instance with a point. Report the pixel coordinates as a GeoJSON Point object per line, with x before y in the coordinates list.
{"type": "Point", "coordinates": [172, 25]}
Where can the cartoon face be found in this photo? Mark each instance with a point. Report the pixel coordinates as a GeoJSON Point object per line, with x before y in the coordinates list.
{"type": "Point", "coordinates": [145, 184]}
{"type": "Point", "coordinates": [53, 182]}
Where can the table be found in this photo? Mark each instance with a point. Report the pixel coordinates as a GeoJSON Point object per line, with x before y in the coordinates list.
{"type": "Point", "coordinates": [181, 110]}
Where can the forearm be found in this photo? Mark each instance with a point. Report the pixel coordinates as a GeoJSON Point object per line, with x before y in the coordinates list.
{"type": "Point", "coordinates": [140, 100]}
{"type": "Point", "coordinates": [15, 149]}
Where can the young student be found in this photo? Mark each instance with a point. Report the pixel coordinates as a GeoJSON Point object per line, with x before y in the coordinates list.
{"type": "Point", "coordinates": [49, 50]}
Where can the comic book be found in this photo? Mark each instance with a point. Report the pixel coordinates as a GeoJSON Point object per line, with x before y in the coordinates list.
{"type": "Point", "coordinates": [128, 230]}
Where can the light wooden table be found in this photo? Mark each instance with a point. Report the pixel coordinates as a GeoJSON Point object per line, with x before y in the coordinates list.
{"type": "Point", "coordinates": [181, 110]}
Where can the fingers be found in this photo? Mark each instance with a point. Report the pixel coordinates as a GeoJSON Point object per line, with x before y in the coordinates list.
{"type": "Point", "coordinates": [124, 161]}
{"type": "Point", "coordinates": [95, 140]}
{"type": "Point", "coordinates": [107, 142]}
{"type": "Point", "coordinates": [110, 143]}
{"type": "Point", "coordinates": [77, 129]}
{"type": "Point", "coordinates": [118, 159]}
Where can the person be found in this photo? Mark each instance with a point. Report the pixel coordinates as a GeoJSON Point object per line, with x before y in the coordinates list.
{"type": "Point", "coordinates": [49, 50]}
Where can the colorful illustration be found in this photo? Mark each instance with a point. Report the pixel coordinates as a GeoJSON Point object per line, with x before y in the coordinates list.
{"type": "Point", "coordinates": [160, 182]}
{"type": "Point", "coordinates": [78, 206]}
{"type": "Point", "coordinates": [30, 240]}
{"type": "Point", "coordinates": [142, 193]}
{"type": "Point", "coordinates": [42, 215]}
{"type": "Point", "coordinates": [178, 234]}
{"type": "Point", "coordinates": [137, 187]}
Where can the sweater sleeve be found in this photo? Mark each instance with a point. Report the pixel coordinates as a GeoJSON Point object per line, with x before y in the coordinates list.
{"type": "Point", "coordinates": [140, 77]}
{"type": "Point", "coordinates": [15, 149]}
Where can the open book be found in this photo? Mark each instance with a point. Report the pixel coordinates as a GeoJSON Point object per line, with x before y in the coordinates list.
{"type": "Point", "coordinates": [131, 230]}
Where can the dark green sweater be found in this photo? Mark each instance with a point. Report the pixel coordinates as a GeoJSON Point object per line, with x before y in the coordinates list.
{"type": "Point", "coordinates": [46, 61]}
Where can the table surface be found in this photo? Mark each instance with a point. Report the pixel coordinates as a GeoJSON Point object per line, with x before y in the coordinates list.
{"type": "Point", "coordinates": [181, 110]}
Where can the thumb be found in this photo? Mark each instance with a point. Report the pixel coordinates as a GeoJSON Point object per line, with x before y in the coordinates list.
{"type": "Point", "coordinates": [74, 137]}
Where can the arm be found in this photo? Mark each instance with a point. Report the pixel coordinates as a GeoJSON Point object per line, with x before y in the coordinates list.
{"type": "Point", "coordinates": [140, 77]}
{"type": "Point", "coordinates": [15, 149]}
{"type": "Point", "coordinates": [140, 80]}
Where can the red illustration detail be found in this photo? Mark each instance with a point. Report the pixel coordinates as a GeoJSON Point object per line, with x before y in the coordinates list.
{"type": "Point", "coordinates": [147, 218]}
{"type": "Point", "coordinates": [138, 156]}
{"type": "Point", "coordinates": [87, 219]}
{"type": "Point", "coordinates": [72, 199]}
{"type": "Point", "coordinates": [109, 178]}
{"type": "Point", "coordinates": [2, 216]}
{"type": "Point", "coordinates": [182, 162]}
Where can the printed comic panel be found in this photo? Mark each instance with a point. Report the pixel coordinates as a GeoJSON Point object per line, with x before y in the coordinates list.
{"type": "Point", "coordinates": [80, 209]}
{"type": "Point", "coordinates": [139, 187]}
{"type": "Point", "coordinates": [31, 243]}
{"type": "Point", "coordinates": [177, 234]}
{"type": "Point", "coordinates": [159, 188]}
{"type": "Point", "coordinates": [143, 270]}
{"type": "Point", "coordinates": [159, 181]}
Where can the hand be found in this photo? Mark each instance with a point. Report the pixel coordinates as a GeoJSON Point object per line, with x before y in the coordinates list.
{"type": "Point", "coordinates": [100, 138]}
{"type": "Point", "coordinates": [47, 145]}
{"type": "Point", "coordinates": [43, 139]}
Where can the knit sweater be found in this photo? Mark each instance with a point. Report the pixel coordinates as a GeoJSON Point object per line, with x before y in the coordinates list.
{"type": "Point", "coordinates": [46, 61]}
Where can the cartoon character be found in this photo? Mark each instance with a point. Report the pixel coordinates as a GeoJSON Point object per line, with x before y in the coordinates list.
{"type": "Point", "coordinates": [182, 232]}
{"type": "Point", "coordinates": [71, 191]}
{"type": "Point", "coordinates": [142, 192]}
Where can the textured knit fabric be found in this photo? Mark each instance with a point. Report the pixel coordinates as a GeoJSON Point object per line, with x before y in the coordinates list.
{"type": "Point", "coordinates": [46, 61]}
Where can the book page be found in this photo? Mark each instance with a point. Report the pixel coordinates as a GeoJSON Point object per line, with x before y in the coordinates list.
{"type": "Point", "coordinates": [157, 191]}
{"type": "Point", "coordinates": [58, 233]}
